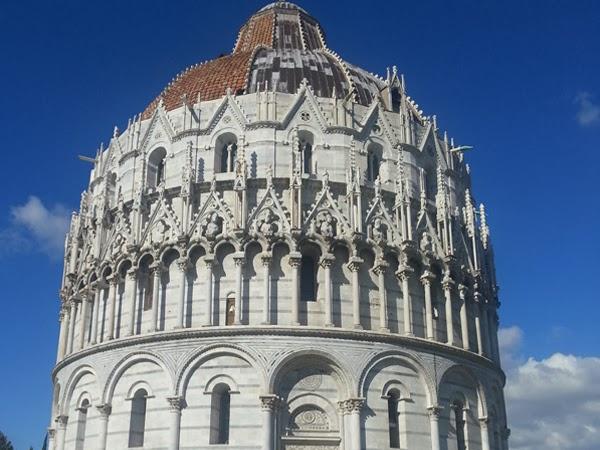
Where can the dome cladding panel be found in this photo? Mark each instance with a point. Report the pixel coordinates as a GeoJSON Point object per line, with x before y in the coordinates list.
{"type": "Point", "coordinates": [279, 45]}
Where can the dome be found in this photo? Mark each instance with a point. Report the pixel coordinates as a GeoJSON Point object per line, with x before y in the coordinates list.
{"type": "Point", "coordinates": [276, 49]}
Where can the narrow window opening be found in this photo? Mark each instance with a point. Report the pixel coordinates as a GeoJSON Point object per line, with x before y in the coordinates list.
{"type": "Point", "coordinates": [308, 279]}
{"type": "Point", "coordinates": [137, 422]}
{"type": "Point", "coordinates": [156, 167]}
{"type": "Point", "coordinates": [460, 425]}
{"type": "Point", "coordinates": [81, 424]}
{"type": "Point", "coordinates": [148, 290]}
{"type": "Point", "coordinates": [220, 414]}
{"type": "Point", "coordinates": [373, 163]}
{"type": "Point", "coordinates": [306, 157]}
{"type": "Point", "coordinates": [393, 418]}
{"type": "Point", "coordinates": [230, 310]}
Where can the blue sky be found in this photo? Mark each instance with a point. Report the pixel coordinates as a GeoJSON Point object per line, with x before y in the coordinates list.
{"type": "Point", "coordinates": [518, 80]}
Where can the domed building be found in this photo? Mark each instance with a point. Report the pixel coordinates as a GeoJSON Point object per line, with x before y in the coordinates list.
{"type": "Point", "coordinates": [281, 252]}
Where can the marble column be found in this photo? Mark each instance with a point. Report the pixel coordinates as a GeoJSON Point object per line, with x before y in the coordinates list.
{"type": "Point", "coordinates": [478, 331]}
{"type": "Point", "coordinates": [354, 407]}
{"type": "Point", "coordinates": [176, 404]}
{"type": "Point", "coordinates": [434, 423]}
{"type": "Point", "coordinates": [64, 330]}
{"type": "Point", "coordinates": [447, 284]}
{"type": "Point", "coordinates": [266, 258]}
{"type": "Point", "coordinates": [485, 328]}
{"type": "Point", "coordinates": [464, 318]}
{"type": "Point", "coordinates": [404, 274]}
{"type": "Point", "coordinates": [209, 261]}
{"type": "Point", "coordinates": [380, 269]}
{"type": "Point", "coordinates": [240, 260]}
{"type": "Point", "coordinates": [104, 410]}
{"type": "Point", "coordinates": [295, 259]}
{"type": "Point", "coordinates": [343, 426]}
{"type": "Point", "coordinates": [96, 316]}
{"type": "Point", "coordinates": [73, 305]}
{"type": "Point", "coordinates": [354, 266]}
{"type": "Point", "coordinates": [156, 270]}
{"type": "Point", "coordinates": [269, 405]}
{"type": "Point", "coordinates": [485, 434]}
{"type": "Point", "coordinates": [112, 306]}
{"type": "Point", "coordinates": [326, 263]}
{"type": "Point", "coordinates": [427, 279]}
{"type": "Point", "coordinates": [61, 429]}
{"type": "Point", "coordinates": [83, 321]}
{"type": "Point", "coordinates": [131, 289]}
{"type": "Point", "coordinates": [183, 265]}
{"type": "Point", "coordinates": [51, 435]}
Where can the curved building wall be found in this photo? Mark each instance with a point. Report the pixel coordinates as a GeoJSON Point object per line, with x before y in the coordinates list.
{"type": "Point", "coordinates": [281, 272]}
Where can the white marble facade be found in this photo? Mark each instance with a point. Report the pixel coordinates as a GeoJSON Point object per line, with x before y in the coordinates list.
{"type": "Point", "coordinates": [279, 270]}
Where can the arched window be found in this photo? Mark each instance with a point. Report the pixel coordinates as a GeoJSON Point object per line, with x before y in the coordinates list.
{"type": "Point", "coordinates": [219, 414]}
{"type": "Point", "coordinates": [373, 162]}
{"type": "Point", "coordinates": [156, 167]}
{"type": "Point", "coordinates": [225, 153]}
{"type": "Point", "coordinates": [460, 423]}
{"type": "Point", "coordinates": [81, 424]}
{"type": "Point", "coordinates": [306, 157]}
{"type": "Point", "coordinates": [308, 279]}
{"type": "Point", "coordinates": [393, 399]}
{"type": "Point", "coordinates": [137, 421]}
{"type": "Point", "coordinates": [230, 310]}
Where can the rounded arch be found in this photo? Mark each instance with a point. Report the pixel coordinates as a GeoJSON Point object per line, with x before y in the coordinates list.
{"type": "Point", "coordinates": [136, 386]}
{"type": "Point", "coordinates": [85, 396]}
{"type": "Point", "coordinates": [466, 373]}
{"type": "Point", "coordinates": [71, 384]}
{"type": "Point", "coordinates": [236, 244]}
{"type": "Point", "coordinates": [221, 379]}
{"type": "Point", "coordinates": [123, 265]}
{"type": "Point", "coordinates": [226, 151]}
{"type": "Point", "coordinates": [155, 173]}
{"type": "Point", "coordinates": [197, 358]}
{"type": "Point", "coordinates": [328, 359]}
{"type": "Point", "coordinates": [125, 363]}
{"type": "Point", "coordinates": [223, 134]}
{"type": "Point", "coordinates": [396, 385]}
{"type": "Point", "coordinates": [167, 253]}
{"type": "Point", "coordinates": [405, 358]}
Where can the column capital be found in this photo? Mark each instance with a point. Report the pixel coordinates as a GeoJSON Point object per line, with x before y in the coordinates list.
{"type": "Point", "coordinates": [269, 402]}
{"type": "Point", "coordinates": [132, 273]}
{"type": "Point", "coordinates": [354, 263]}
{"type": "Point", "coordinates": [61, 420]}
{"type": "Point", "coordinates": [427, 277]}
{"type": "Point", "coordinates": [505, 433]}
{"type": "Point", "coordinates": [327, 260]}
{"type": "Point", "coordinates": [183, 264]}
{"type": "Point", "coordinates": [448, 282]}
{"type": "Point", "coordinates": [114, 279]}
{"type": "Point", "coordinates": [434, 411]}
{"type": "Point", "coordinates": [157, 268]}
{"type": "Point", "coordinates": [352, 405]}
{"type": "Point", "coordinates": [404, 271]}
{"type": "Point", "coordinates": [51, 432]}
{"type": "Point", "coordinates": [380, 267]}
{"type": "Point", "coordinates": [239, 258]}
{"type": "Point", "coordinates": [295, 259]}
{"type": "Point", "coordinates": [105, 409]}
{"type": "Point", "coordinates": [176, 404]}
{"type": "Point", "coordinates": [266, 258]}
{"type": "Point", "coordinates": [209, 260]}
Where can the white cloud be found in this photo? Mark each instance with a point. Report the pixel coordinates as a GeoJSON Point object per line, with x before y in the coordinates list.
{"type": "Point", "coordinates": [588, 112]}
{"type": "Point", "coordinates": [36, 226]}
{"type": "Point", "coordinates": [552, 403]}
